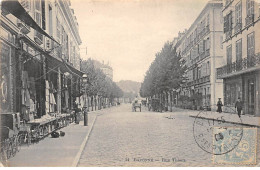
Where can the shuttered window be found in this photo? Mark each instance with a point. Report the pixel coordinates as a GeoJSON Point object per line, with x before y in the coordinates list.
{"type": "Point", "coordinates": [251, 44]}
{"type": "Point", "coordinates": [228, 22]}
{"type": "Point", "coordinates": [38, 12]}
{"type": "Point", "coordinates": [229, 54]}
{"type": "Point", "coordinates": [250, 7]}
{"type": "Point", "coordinates": [239, 50]}
{"type": "Point", "coordinates": [26, 4]}
{"type": "Point", "coordinates": [239, 13]}
{"type": "Point", "coordinates": [58, 27]}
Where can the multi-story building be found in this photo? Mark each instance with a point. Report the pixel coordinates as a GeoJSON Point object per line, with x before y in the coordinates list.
{"type": "Point", "coordinates": [201, 48]}
{"type": "Point", "coordinates": [40, 59]}
{"type": "Point", "coordinates": [241, 67]}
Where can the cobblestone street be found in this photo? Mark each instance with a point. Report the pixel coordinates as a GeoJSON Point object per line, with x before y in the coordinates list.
{"type": "Point", "coordinates": [124, 138]}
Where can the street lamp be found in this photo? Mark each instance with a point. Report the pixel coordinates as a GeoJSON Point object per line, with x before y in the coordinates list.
{"type": "Point", "coordinates": [85, 109]}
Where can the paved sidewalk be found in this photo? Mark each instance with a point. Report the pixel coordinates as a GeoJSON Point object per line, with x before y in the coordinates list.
{"type": "Point", "coordinates": [52, 152]}
{"type": "Point", "coordinates": [229, 118]}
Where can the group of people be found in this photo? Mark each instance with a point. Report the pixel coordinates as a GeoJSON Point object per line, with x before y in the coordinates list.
{"type": "Point", "coordinates": [238, 106]}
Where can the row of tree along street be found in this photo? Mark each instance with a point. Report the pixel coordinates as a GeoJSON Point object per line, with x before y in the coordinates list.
{"type": "Point", "coordinates": [164, 76]}
{"type": "Point", "coordinates": [101, 90]}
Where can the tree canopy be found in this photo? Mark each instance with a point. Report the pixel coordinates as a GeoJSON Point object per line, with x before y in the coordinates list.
{"type": "Point", "coordinates": [98, 82]}
{"type": "Point", "coordinates": [165, 73]}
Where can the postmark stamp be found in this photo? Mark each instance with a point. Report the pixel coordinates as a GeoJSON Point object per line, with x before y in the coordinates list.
{"type": "Point", "coordinates": [243, 154]}
{"type": "Point", "coordinates": [203, 132]}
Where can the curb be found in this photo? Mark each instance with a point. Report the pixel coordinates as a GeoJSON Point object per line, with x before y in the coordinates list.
{"type": "Point", "coordinates": [82, 146]}
{"type": "Point", "coordinates": [245, 124]}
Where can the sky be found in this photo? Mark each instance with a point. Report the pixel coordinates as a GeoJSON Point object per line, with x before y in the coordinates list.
{"type": "Point", "coordinates": [128, 33]}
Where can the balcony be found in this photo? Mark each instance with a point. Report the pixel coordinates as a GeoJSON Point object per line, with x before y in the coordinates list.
{"type": "Point", "coordinates": [228, 34]}
{"type": "Point", "coordinates": [201, 80]}
{"type": "Point", "coordinates": [25, 29]}
{"type": "Point", "coordinates": [239, 66]}
{"type": "Point", "coordinates": [250, 20]}
{"type": "Point", "coordinates": [238, 28]}
{"type": "Point", "coordinates": [38, 38]}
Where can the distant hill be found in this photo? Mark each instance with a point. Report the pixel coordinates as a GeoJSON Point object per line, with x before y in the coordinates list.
{"type": "Point", "coordinates": [129, 86]}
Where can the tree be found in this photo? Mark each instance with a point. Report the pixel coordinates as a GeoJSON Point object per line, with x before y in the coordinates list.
{"type": "Point", "coordinates": [99, 83]}
{"type": "Point", "coordinates": [165, 73]}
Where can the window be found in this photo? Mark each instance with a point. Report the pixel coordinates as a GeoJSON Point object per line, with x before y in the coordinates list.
{"type": "Point", "coordinates": [229, 54]}
{"type": "Point", "coordinates": [38, 12]}
{"type": "Point", "coordinates": [207, 44]}
{"type": "Point", "coordinates": [249, 7]}
{"type": "Point", "coordinates": [208, 20]}
{"type": "Point", "coordinates": [58, 29]}
{"type": "Point", "coordinates": [239, 50]}
{"type": "Point", "coordinates": [26, 4]}
{"type": "Point", "coordinates": [250, 44]}
{"type": "Point", "coordinates": [38, 5]}
{"type": "Point", "coordinates": [208, 68]}
{"type": "Point", "coordinates": [43, 15]}
{"type": "Point", "coordinates": [199, 72]}
{"type": "Point", "coordinates": [50, 21]}
{"type": "Point", "coordinates": [230, 93]}
{"type": "Point", "coordinates": [228, 22]}
{"type": "Point", "coordinates": [238, 13]}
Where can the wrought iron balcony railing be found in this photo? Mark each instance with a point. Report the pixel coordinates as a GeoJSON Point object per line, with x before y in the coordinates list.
{"type": "Point", "coordinates": [238, 27]}
{"type": "Point", "coordinates": [244, 64]}
{"type": "Point", "coordinates": [250, 19]}
{"type": "Point", "coordinates": [201, 80]}
{"type": "Point", "coordinates": [228, 34]}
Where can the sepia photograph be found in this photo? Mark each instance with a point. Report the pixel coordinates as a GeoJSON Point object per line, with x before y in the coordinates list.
{"type": "Point", "coordinates": [129, 83]}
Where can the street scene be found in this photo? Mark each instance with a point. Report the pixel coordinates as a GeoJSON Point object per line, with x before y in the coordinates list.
{"type": "Point", "coordinates": [145, 83]}
{"type": "Point", "coordinates": [120, 137]}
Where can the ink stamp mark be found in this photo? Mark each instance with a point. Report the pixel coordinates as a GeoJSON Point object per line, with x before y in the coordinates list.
{"type": "Point", "coordinates": [203, 132]}
{"type": "Point", "coordinates": [244, 153]}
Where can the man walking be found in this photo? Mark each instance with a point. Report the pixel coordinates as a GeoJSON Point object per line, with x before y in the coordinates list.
{"type": "Point", "coordinates": [219, 104]}
{"type": "Point", "coordinates": [239, 106]}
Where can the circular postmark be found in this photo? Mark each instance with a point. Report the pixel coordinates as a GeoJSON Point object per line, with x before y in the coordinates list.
{"type": "Point", "coordinates": [217, 133]}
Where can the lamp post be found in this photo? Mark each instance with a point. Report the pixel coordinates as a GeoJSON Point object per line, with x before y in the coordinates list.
{"type": "Point", "coordinates": [85, 107]}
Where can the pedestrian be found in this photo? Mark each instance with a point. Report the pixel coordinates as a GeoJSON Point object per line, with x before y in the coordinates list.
{"type": "Point", "coordinates": [219, 104]}
{"type": "Point", "coordinates": [239, 106]}
{"type": "Point", "coordinates": [77, 111]}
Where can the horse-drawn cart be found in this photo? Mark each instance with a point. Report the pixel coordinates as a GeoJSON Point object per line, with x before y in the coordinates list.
{"type": "Point", "coordinates": [135, 105]}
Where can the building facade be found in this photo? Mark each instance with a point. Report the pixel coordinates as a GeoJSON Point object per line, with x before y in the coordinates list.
{"type": "Point", "coordinates": [240, 69]}
{"type": "Point", "coordinates": [201, 48]}
{"type": "Point", "coordinates": [40, 61]}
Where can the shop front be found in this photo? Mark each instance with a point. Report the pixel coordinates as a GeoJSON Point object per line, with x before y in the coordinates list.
{"type": "Point", "coordinates": [246, 87]}
{"type": "Point", "coordinates": [251, 87]}
{"type": "Point", "coordinates": [7, 72]}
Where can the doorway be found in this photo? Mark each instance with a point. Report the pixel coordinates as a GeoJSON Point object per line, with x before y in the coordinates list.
{"type": "Point", "coordinates": [251, 96]}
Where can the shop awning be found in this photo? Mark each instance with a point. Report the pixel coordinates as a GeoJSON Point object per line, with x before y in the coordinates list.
{"type": "Point", "coordinates": [15, 8]}
{"type": "Point", "coordinates": [64, 67]}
